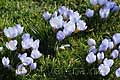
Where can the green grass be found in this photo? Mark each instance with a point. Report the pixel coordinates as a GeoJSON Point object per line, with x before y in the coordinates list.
{"type": "Point", "coordinates": [68, 64]}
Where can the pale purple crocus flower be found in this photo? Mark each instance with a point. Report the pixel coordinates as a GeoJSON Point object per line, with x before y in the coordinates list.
{"type": "Point", "coordinates": [35, 44]}
{"type": "Point", "coordinates": [104, 12]}
{"type": "Point", "coordinates": [6, 61]}
{"type": "Point", "coordinates": [81, 25]}
{"type": "Point", "coordinates": [60, 35]}
{"type": "Point", "coordinates": [91, 57]}
{"type": "Point", "coordinates": [103, 45]}
{"type": "Point", "coordinates": [102, 2]}
{"type": "Point", "coordinates": [12, 45]}
{"type": "Point", "coordinates": [110, 4]}
{"type": "Point", "coordinates": [115, 54]}
{"type": "Point", "coordinates": [94, 2]}
{"type": "Point", "coordinates": [10, 32]}
{"type": "Point", "coordinates": [108, 62]}
{"type": "Point", "coordinates": [56, 22]}
{"type": "Point", "coordinates": [117, 72]}
{"type": "Point", "coordinates": [35, 54]}
{"type": "Point", "coordinates": [116, 38]}
{"type": "Point", "coordinates": [100, 55]}
{"type": "Point", "coordinates": [110, 45]}
{"type": "Point", "coordinates": [46, 15]}
{"type": "Point", "coordinates": [115, 9]}
{"type": "Point", "coordinates": [104, 69]}
{"type": "Point", "coordinates": [26, 42]}
{"type": "Point", "coordinates": [22, 56]}
{"type": "Point", "coordinates": [75, 17]}
{"type": "Point", "coordinates": [27, 61]}
{"type": "Point", "coordinates": [93, 49]}
{"type": "Point", "coordinates": [33, 66]}
{"type": "Point", "coordinates": [21, 70]}
{"type": "Point", "coordinates": [19, 29]}
{"type": "Point", "coordinates": [89, 13]}
{"type": "Point", "coordinates": [91, 42]}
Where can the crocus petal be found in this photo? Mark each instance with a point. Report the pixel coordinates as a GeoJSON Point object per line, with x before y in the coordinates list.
{"type": "Point", "coordinates": [104, 12]}
{"type": "Point", "coordinates": [60, 35]}
{"type": "Point", "coordinates": [81, 25]}
{"type": "Point", "coordinates": [33, 66]}
{"type": "Point", "coordinates": [12, 45]}
{"type": "Point", "coordinates": [108, 62]}
{"type": "Point", "coordinates": [56, 22]}
{"type": "Point", "coordinates": [93, 49]}
{"type": "Point", "coordinates": [35, 44]}
{"type": "Point", "coordinates": [89, 13]}
{"type": "Point", "coordinates": [91, 57]}
{"type": "Point", "coordinates": [116, 38]}
{"type": "Point", "coordinates": [117, 72]}
{"type": "Point", "coordinates": [104, 45]}
{"type": "Point", "coordinates": [115, 54]}
{"type": "Point", "coordinates": [91, 42]}
{"type": "Point", "coordinates": [94, 2]}
{"type": "Point", "coordinates": [21, 70]}
{"type": "Point", "coordinates": [103, 69]}
{"type": "Point", "coordinates": [35, 54]}
{"type": "Point", "coordinates": [46, 15]}
{"type": "Point", "coordinates": [5, 61]}
{"type": "Point", "coordinates": [27, 61]}
{"type": "Point", "coordinates": [100, 56]}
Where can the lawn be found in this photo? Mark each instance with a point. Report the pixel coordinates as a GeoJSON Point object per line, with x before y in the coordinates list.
{"type": "Point", "coordinates": [56, 64]}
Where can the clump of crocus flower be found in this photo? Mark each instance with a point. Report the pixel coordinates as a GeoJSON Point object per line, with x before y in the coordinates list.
{"type": "Point", "coordinates": [27, 59]}
{"type": "Point", "coordinates": [65, 21]}
{"type": "Point", "coordinates": [105, 7]}
{"type": "Point", "coordinates": [107, 45]}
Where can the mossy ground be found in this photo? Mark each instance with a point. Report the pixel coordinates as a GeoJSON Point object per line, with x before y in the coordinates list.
{"type": "Point", "coordinates": [55, 64]}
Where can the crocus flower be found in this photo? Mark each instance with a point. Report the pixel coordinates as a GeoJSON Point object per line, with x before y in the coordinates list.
{"type": "Point", "coordinates": [27, 60]}
{"type": "Point", "coordinates": [100, 55]}
{"type": "Point", "coordinates": [81, 25]}
{"type": "Point", "coordinates": [60, 35]}
{"type": "Point", "coordinates": [75, 17]}
{"type": "Point", "coordinates": [119, 48]}
{"type": "Point", "coordinates": [33, 66]}
{"type": "Point", "coordinates": [102, 2]}
{"type": "Point", "coordinates": [115, 54]}
{"type": "Point", "coordinates": [56, 22]}
{"type": "Point", "coordinates": [12, 45]}
{"type": "Point", "coordinates": [116, 38]}
{"type": "Point", "coordinates": [103, 69]}
{"type": "Point", "coordinates": [69, 26]}
{"type": "Point", "coordinates": [91, 57]}
{"type": "Point", "coordinates": [26, 36]}
{"type": "Point", "coordinates": [67, 31]}
{"type": "Point", "coordinates": [19, 29]}
{"type": "Point", "coordinates": [104, 12]}
{"type": "Point", "coordinates": [46, 15]}
{"type": "Point", "coordinates": [35, 44]}
{"type": "Point", "coordinates": [91, 42]}
{"type": "Point", "coordinates": [1, 48]}
{"type": "Point", "coordinates": [35, 54]}
{"type": "Point", "coordinates": [62, 10]}
{"type": "Point", "coordinates": [108, 62]}
{"type": "Point", "coordinates": [22, 56]}
{"type": "Point", "coordinates": [93, 49]}
{"type": "Point", "coordinates": [10, 32]}
{"type": "Point", "coordinates": [115, 9]}
{"type": "Point", "coordinates": [5, 61]}
{"type": "Point", "coordinates": [110, 4]}
{"type": "Point", "coordinates": [117, 72]}
{"type": "Point", "coordinates": [89, 13]}
{"type": "Point", "coordinates": [21, 70]}
{"type": "Point", "coordinates": [104, 45]}
{"type": "Point", "coordinates": [26, 43]}
{"type": "Point", "coordinates": [110, 45]}
{"type": "Point", "coordinates": [94, 2]}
